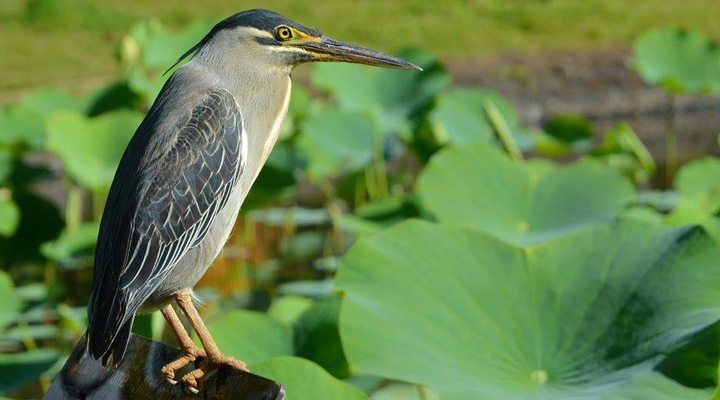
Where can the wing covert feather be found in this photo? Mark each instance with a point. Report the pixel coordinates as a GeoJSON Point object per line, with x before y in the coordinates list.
{"type": "Point", "coordinates": [179, 193]}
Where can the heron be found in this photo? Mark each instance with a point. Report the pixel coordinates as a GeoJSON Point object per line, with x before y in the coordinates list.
{"type": "Point", "coordinates": [185, 173]}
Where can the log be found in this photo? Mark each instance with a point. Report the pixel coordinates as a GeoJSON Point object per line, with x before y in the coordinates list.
{"type": "Point", "coordinates": [138, 377]}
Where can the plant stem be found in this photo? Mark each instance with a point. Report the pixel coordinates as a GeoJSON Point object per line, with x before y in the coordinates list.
{"type": "Point", "coordinates": [716, 393]}
{"type": "Point", "coordinates": [380, 170]}
{"type": "Point", "coordinates": [73, 208]}
{"type": "Point", "coordinates": [502, 130]}
{"type": "Point", "coordinates": [247, 241]}
{"type": "Point", "coordinates": [335, 213]}
{"type": "Point", "coordinates": [98, 203]}
{"type": "Point", "coordinates": [671, 152]}
{"type": "Point", "coordinates": [360, 193]}
{"type": "Point", "coordinates": [422, 392]}
{"type": "Point", "coordinates": [370, 184]}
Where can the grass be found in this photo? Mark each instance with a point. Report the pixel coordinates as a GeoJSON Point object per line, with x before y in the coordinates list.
{"type": "Point", "coordinates": [72, 43]}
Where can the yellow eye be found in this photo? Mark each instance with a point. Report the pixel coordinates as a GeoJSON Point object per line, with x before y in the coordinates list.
{"type": "Point", "coordinates": [283, 33]}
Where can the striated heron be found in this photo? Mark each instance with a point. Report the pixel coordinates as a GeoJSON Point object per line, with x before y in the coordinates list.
{"type": "Point", "coordinates": [187, 170]}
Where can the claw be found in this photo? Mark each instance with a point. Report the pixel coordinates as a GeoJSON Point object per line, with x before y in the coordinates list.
{"type": "Point", "coordinates": [192, 379]}
{"type": "Point", "coordinates": [170, 368]}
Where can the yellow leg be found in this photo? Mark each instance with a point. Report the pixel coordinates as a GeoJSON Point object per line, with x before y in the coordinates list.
{"type": "Point", "coordinates": [215, 358]}
{"type": "Point", "coordinates": [190, 351]}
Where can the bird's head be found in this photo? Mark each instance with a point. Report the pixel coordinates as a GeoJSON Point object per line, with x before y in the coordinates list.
{"type": "Point", "coordinates": [267, 37]}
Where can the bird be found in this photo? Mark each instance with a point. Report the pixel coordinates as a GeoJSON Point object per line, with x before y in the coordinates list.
{"type": "Point", "coordinates": [184, 175]}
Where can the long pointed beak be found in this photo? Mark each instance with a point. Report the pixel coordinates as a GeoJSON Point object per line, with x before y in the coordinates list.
{"type": "Point", "coordinates": [327, 49]}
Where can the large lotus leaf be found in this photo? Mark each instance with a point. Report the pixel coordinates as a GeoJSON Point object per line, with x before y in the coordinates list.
{"type": "Point", "coordinates": [113, 97]}
{"type": "Point", "coordinates": [336, 141]}
{"type": "Point", "coordinates": [461, 116]}
{"type": "Point", "coordinates": [9, 216]}
{"type": "Point", "coordinates": [651, 386]}
{"type": "Point", "coordinates": [378, 214]}
{"type": "Point", "coordinates": [72, 245]}
{"type": "Point", "coordinates": [308, 288]}
{"type": "Point", "coordinates": [287, 309]}
{"type": "Point", "coordinates": [475, 318]}
{"type": "Point", "coordinates": [271, 187]}
{"type": "Point", "coordinates": [251, 336]}
{"type": "Point", "coordinates": [569, 128]}
{"type": "Point", "coordinates": [276, 181]}
{"type": "Point", "coordinates": [91, 147]}
{"type": "Point", "coordinates": [317, 337]}
{"type": "Point", "coordinates": [150, 49]}
{"type": "Point", "coordinates": [10, 304]}
{"type": "Point", "coordinates": [403, 391]}
{"type": "Point", "coordinates": [16, 370]}
{"type": "Point", "coordinates": [700, 178]}
{"type": "Point", "coordinates": [695, 364]}
{"type": "Point", "coordinates": [392, 97]}
{"type": "Point", "coordinates": [698, 187]}
{"type": "Point", "coordinates": [300, 103]}
{"type": "Point", "coordinates": [6, 161]}
{"type": "Point", "coordinates": [304, 380]}
{"type": "Point", "coordinates": [47, 102]}
{"type": "Point", "coordinates": [25, 122]}
{"type": "Point", "coordinates": [679, 60]}
{"type": "Point", "coordinates": [22, 124]}
{"type": "Point", "coordinates": [522, 203]}
{"type": "Point", "coordinates": [623, 150]}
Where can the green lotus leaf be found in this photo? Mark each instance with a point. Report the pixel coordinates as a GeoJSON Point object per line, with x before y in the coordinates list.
{"type": "Point", "coordinates": [25, 122]}
{"type": "Point", "coordinates": [21, 334]}
{"type": "Point", "coordinates": [652, 386]}
{"type": "Point", "coordinates": [461, 116]}
{"type": "Point", "coordinates": [522, 203]}
{"type": "Point", "coordinates": [337, 141]}
{"type": "Point", "coordinates": [10, 305]}
{"type": "Point", "coordinates": [251, 336]}
{"type": "Point", "coordinates": [473, 317]}
{"type": "Point", "coordinates": [569, 128]}
{"type": "Point", "coordinates": [302, 379]}
{"type": "Point", "coordinates": [679, 60]}
{"type": "Point", "coordinates": [6, 161]}
{"type": "Point", "coordinates": [70, 246]}
{"type": "Point", "coordinates": [403, 391]}
{"type": "Point", "coordinates": [22, 124]}
{"type": "Point", "coordinates": [623, 150]}
{"type": "Point", "coordinates": [698, 188]}
{"type": "Point", "coordinates": [19, 369]}
{"type": "Point", "coordinates": [150, 49]}
{"type": "Point", "coordinates": [317, 337]}
{"type": "Point", "coordinates": [287, 309]}
{"type": "Point", "coordinates": [9, 216]}
{"type": "Point", "coordinates": [91, 147]}
{"type": "Point", "coordinates": [695, 364]}
{"type": "Point", "coordinates": [47, 102]}
{"type": "Point", "coordinates": [391, 97]}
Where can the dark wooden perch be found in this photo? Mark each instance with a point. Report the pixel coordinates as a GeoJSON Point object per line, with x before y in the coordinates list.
{"type": "Point", "coordinates": [138, 377]}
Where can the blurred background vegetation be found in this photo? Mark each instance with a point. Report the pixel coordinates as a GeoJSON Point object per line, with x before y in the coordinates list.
{"type": "Point", "coordinates": [542, 133]}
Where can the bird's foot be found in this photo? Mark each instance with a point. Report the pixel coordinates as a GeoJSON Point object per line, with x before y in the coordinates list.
{"type": "Point", "coordinates": [192, 379]}
{"type": "Point", "coordinates": [169, 369]}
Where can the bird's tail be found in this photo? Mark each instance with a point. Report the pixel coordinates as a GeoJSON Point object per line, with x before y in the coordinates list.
{"type": "Point", "coordinates": [108, 346]}
{"type": "Point", "coordinates": [82, 374]}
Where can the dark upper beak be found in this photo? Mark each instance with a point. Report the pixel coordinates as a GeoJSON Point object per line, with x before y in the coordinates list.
{"type": "Point", "coordinates": [327, 49]}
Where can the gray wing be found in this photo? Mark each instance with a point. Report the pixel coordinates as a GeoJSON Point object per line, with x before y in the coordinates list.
{"type": "Point", "coordinates": [179, 192]}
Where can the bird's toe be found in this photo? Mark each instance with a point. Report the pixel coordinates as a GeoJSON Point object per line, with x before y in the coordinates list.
{"type": "Point", "coordinates": [192, 380]}
{"type": "Point", "coordinates": [233, 363]}
{"type": "Point", "coordinates": [169, 370]}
